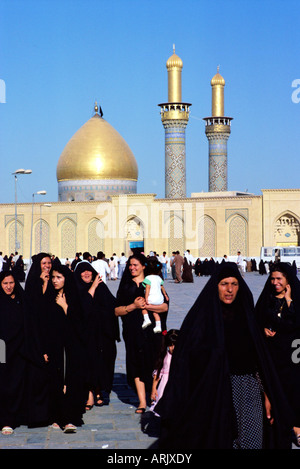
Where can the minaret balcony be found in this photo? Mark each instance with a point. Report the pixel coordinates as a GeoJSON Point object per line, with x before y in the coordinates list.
{"type": "Point", "coordinates": [174, 111]}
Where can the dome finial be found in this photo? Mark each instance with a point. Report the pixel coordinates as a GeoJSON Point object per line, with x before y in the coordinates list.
{"type": "Point", "coordinates": [173, 48]}
{"type": "Point", "coordinates": [98, 109]}
{"type": "Point", "coordinates": [218, 68]}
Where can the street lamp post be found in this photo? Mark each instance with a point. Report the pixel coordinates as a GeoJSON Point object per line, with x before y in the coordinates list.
{"type": "Point", "coordinates": [35, 193]}
{"type": "Point", "coordinates": [41, 229]}
{"type": "Point", "coordinates": [15, 173]}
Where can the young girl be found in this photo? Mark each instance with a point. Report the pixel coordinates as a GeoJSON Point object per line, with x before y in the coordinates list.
{"type": "Point", "coordinates": [155, 291]}
{"type": "Point", "coordinates": [161, 374]}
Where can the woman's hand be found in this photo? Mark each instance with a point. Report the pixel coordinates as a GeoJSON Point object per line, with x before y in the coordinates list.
{"type": "Point", "coordinates": [61, 301]}
{"type": "Point", "coordinates": [139, 302]}
{"type": "Point", "coordinates": [154, 395]}
{"type": "Point", "coordinates": [97, 281]}
{"type": "Point", "coordinates": [269, 333]}
{"type": "Point", "coordinates": [288, 294]}
{"type": "Point", "coordinates": [268, 410]}
{"type": "Point", "coordinates": [45, 279]}
{"type": "Point", "coordinates": [46, 358]}
{"type": "Point", "coordinates": [45, 276]}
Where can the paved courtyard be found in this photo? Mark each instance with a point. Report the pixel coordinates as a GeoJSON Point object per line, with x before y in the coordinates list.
{"type": "Point", "coordinates": [116, 426]}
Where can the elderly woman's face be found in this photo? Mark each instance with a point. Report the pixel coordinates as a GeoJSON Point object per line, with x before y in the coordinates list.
{"type": "Point", "coordinates": [228, 288]}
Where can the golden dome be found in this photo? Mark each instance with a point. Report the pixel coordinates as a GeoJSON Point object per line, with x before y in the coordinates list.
{"type": "Point", "coordinates": [96, 151]}
{"type": "Point", "coordinates": [174, 61]}
{"type": "Point", "coordinates": [217, 79]}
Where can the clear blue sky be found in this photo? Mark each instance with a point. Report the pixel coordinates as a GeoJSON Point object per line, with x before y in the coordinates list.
{"type": "Point", "coordinates": [58, 57]}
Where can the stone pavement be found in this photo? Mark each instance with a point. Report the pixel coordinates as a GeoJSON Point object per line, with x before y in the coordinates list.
{"type": "Point", "coordinates": [116, 426]}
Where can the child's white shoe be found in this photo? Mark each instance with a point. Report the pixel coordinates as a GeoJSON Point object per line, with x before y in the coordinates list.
{"type": "Point", "coordinates": [157, 329]}
{"type": "Point", "coordinates": [146, 323]}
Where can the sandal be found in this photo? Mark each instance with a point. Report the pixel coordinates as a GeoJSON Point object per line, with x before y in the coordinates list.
{"type": "Point", "coordinates": [140, 410]}
{"type": "Point", "coordinates": [55, 426]}
{"type": "Point", "coordinates": [70, 428]}
{"type": "Point", "coordinates": [99, 400]}
{"type": "Point", "coordinates": [7, 431]}
{"type": "Point", "coordinates": [89, 406]}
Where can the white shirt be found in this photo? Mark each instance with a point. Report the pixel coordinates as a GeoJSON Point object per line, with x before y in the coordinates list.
{"type": "Point", "coordinates": [163, 259]}
{"type": "Point", "coordinates": [102, 268]}
{"type": "Point", "coordinates": [239, 260]}
{"type": "Point", "coordinates": [123, 260]}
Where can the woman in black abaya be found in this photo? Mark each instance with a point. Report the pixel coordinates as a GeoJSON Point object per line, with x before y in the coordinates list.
{"type": "Point", "coordinates": [37, 286]}
{"type": "Point", "coordinates": [187, 272]}
{"type": "Point", "coordinates": [142, 345]}
{"type": "Point", "coordinates": [278, 313]}
{"type": "Point", "coordinates": [101, 331]}
{"type": "Point", "coordinates": [12, 362]}
{"type": "Point", "coordinates": [221, 376]}
{"type": "Point", "coordinates": [63, 350]}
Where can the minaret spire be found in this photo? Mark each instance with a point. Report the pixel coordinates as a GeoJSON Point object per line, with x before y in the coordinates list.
{"type": "Point", "coordinates": [217, 131]}
{"type": "Point", "coordinates": [175, 116]}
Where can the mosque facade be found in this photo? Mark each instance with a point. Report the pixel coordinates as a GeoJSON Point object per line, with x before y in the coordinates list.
{"type": "Point", "coordinates": [99, 209]}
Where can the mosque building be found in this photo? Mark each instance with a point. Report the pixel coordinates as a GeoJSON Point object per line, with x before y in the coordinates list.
{"type": "Point", "coordinates": [99, 209]}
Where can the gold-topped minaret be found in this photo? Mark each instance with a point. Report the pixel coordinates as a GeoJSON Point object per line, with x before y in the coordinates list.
{"type": "Point", "coordinates": [175, 116]}
{"type": "Point", "coordinates": [217, 130]}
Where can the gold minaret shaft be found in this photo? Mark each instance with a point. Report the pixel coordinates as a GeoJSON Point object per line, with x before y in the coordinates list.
{"type": "Point", "coordinates": [217, 103]}
{"type": "Point", "coordinates": [174, 67]}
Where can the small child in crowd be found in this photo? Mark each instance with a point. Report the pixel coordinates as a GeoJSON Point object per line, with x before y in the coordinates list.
{"type": "Point", "coordinates": [161, 374]}
{"type": "Point", "coordinates": [155, 292]}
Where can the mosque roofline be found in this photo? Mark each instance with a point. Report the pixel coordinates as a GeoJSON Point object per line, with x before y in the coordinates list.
{"type": "Point", "coordinates": [280, 190]}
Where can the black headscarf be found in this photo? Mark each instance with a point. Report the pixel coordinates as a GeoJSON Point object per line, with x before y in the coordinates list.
{"type": "Point", "coordinates": [12, 311]}
{"type": "Point", "coordinates": [196, 408]}
{"type": "Point", "coordinates": [62, 340]}
{"type": "Point", "coordinates": [101, 330]}
{"type": "Point", "coordinates": [142, 345]}
{"type": "Point", "coordinates": [13, 364]}
{"type": "Point", "coordinates": [104, 301]}
{"type": "Point", "coordinates": [34, 283]}
{"type": "Point", "coordinates": [266, 298]}
{"type": "Point", "coordinates": [275, 314]}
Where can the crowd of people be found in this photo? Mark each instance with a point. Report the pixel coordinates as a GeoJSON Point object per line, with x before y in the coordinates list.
{"type": "Point", "coordinates": [228, 378]}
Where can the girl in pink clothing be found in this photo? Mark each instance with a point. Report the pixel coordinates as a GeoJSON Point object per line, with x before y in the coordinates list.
{"type": "Point", "coordinates": [161, 374]}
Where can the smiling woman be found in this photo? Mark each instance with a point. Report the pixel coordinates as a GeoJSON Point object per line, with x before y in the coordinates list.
{"type": "Point", "coordinates": [142, 345]}
{"type": "Point", "coordinates": [278, 313]}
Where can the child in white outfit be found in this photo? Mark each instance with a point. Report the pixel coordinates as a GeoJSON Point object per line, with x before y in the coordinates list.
{"type": "Point", "coordinates": [154, 293]}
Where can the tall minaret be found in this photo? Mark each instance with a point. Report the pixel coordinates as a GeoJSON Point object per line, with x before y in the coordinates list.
{"type": "Point", "coordinates": [217, 131]}
{"type": "Point", "coordinates": [174, 116]}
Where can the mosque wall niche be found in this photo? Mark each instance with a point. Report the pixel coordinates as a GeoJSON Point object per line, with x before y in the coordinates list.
{"type": "Point", "coordinates": [287, 230]}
